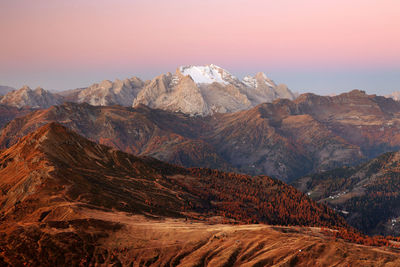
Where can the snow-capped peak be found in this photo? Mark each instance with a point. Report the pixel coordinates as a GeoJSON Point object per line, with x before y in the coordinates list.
{"type": "Point", "coordinates": [250, 81]}
{"type": "Point", "coordinates": [253, 82]}
{"type": "Point", "coordinates": [207, 74]}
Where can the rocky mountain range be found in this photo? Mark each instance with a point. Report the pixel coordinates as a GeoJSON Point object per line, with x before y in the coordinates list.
{"type": "Point", "coordinates": [26, 97]}
{"type": "Point", "coordinates": [284, 139]}
{"type": "Point", "coordinates": [87, 182]}
{"type": "Point", "coordinates": [67, 201]}
{"type": "Point", "coordinates": [204, 90]}
{"type": "Point", "coordinates": [106, 93]}
{"type": "Point", "coordinates": [194, 90]}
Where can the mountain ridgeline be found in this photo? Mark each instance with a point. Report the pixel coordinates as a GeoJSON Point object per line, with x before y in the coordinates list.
{"type": "Point", "coordinates": [189, 169]}
{"type": "Point", "coordinates": [194, 90]}
{"type": "Point", "coordinates": [63, 194]}
{"type": "Point", "coordinates": [285, 139]}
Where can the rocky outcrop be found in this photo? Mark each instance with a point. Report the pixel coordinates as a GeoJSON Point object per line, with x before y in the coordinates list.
{"type": "Point", "coordinates": [205, 90]}
{"type": "Point", "coordinates": [106, 93]}
{"type": "Point", "coordinates": [26, 97]}
{"type": "Point", "coordinates": [194, 90]}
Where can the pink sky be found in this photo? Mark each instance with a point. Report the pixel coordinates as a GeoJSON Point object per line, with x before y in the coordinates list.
{"type": "Point", "coordinates": [146, 37]}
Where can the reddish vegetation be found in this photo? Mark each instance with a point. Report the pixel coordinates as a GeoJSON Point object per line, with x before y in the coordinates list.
{"type": "Point", "coordinates": [356, 237]}
{"type": "Point", "coordinates": [258, 199]}
{"type": "Point", "coordinates": [58, 162]}
{"type": "Point", "coordinates": [68, 201]}
{"type": "Point", "coordinates": [136, 241]}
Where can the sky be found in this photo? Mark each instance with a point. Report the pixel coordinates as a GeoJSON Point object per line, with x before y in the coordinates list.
{"type": "Point", "coordinates": [315, 46]}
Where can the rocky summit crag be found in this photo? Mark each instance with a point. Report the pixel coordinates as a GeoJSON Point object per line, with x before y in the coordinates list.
{"type": "Point", "coordinates": [194, 90]}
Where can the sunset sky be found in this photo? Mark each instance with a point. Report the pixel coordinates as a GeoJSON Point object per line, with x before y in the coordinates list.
{"type": "Point", "coordinates": [311, 45]}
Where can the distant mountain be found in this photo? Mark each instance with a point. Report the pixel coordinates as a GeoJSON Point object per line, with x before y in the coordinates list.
{"type": "Point", "coordinates": [106, 93]}
{"type": "Point", "coordinates": [284, 139]}
{"type": "Point", "coordinates": [204, 90]}
{"type": "Point", "coordinates": [26, 97]}
{"type": "Point", "coordinates": [194, 90]}
{"type": "Point", "coordinates": [165, 135]}
{"type": "Point", "coordinates": [368, 195]}
{"type": "Point", "coordinates": [66, 197]}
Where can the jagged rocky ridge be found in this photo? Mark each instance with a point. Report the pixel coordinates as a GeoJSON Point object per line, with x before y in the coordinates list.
{"type": "Point", "coordinates": [204, 90]}
{"type": "Point", "coordinates": [26, 97]}
{"type": "Point", "coordinates": [285, 139]}
{"type": "Point", "coordinates": [194, 90]}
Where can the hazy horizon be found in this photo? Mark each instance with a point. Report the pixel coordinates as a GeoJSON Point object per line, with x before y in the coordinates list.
{"type": "Point", "coordinates": [315, 46]}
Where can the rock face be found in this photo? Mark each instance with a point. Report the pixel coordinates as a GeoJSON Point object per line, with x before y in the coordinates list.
{"type": "Point", "coordinates": [284, 139]}
{"type": "Point", "coordinates": [26, 97]}
{"type": "Point", "coordinates": [204, 90]}
{"type": "Point", "coordinates": [107, 93]}
{"type": "Point", "coordinates": [367, 195]}
{"type": "Point", "coordinates": [194, 90]}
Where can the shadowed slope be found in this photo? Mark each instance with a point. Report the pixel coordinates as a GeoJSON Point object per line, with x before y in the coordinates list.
{"type": "Point", "coordinates": [56, 164]}
{"type": "Point", "coordinates": [68, 201]}
{"type": "Point", "coordinates": [368, 194]}
{"type": "Point", "coordinates": [284, 139]}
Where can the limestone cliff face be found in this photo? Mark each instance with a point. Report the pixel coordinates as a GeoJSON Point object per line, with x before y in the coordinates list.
{"type": "Point", "coordinates": [261, 89]}
{"type": "Point", "coordinates": [119, 92]}
{"type": "Point", "coordinates": [26, 97]}
{"type": "Point", "coordinates": [205, 90]}
{"type": "Point", "coordinates": [174, 93]}
{"type": "Point", "coordinates": [193, 90]}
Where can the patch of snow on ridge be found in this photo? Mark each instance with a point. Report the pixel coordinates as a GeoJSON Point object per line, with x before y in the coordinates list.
{"type": "Point", "coordinates": [250, 81]}
{"type": "Point", "coordinates": [205, 74]}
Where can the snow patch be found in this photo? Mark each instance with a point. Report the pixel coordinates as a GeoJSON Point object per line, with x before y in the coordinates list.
{"type": "Point", "coordinates": [250, 81]}
{"type": "Point", "coordinates": [206, 74]}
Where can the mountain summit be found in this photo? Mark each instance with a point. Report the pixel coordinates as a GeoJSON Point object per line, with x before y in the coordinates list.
{"type": "Point", "coordinates": [194, 90]}
{"type": "Point", "coordinates": [204, 90]}
{"type": "Point", "coordinates": [207, 74]}
{"type": "Point", "coordinates": [26, 97]}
